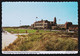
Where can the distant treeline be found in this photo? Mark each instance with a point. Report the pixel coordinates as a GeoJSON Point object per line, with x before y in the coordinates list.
{"type": "Point", "coordinates": [23, 26]}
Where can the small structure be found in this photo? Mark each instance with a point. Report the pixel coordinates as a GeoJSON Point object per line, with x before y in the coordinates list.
{"type": "Point", "coordinates": [26, 31]}
{"type": "Point", "coordinates": [37, 31]}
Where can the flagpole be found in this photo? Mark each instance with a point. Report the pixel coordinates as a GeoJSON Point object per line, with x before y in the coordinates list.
{"type": "Point", "coordinates": [35, 19]}
{"type": "Point", "coordinates": [20, 22]}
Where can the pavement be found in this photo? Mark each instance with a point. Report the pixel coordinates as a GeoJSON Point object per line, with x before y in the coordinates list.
{"type": "Point", "coordinates": [21, 34]}
{"type": "Point", "coordinates": [7, 38]}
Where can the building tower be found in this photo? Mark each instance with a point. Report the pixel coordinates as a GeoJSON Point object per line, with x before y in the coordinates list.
{"type": "Point", "coordinates": [54, 22]}
{"type": "Point", "coordinates": [68, 24]}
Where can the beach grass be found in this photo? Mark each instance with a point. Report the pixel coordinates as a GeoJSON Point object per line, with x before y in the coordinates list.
{"type": "Point", "coordinates": [40, 41]}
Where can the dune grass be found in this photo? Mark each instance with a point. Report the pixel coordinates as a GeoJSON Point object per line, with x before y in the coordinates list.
{"type": "Point", "coordinates": [40, 41]}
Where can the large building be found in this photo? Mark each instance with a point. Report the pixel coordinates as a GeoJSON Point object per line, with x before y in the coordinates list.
{"type": "Point", "coordinates": [45, 24]}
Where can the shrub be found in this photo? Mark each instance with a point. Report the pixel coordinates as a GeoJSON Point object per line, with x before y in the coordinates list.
{"type": "Point", "coordinates": [61, 44]}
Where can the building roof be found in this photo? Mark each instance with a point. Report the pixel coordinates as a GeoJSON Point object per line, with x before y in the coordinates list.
{"type": "Point", "coordinates": [60, 24]}
{"type": "Point", "coordinates": [41, 21]}
{"type": "Point", "coordinates": [74, 26]}
{"type": "Point", "coordinates": [68, 22]}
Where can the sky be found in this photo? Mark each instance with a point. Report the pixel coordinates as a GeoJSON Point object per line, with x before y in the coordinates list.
{"type": "Point", "coordinates": [14, 13]}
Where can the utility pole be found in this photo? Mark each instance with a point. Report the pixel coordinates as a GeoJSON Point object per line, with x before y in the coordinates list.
{"type": "Point", "coordinates": [20, 22]}
{"type": "Point", "coordinates": [18, 28]}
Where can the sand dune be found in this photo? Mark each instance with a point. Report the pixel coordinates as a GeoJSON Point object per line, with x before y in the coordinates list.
{"type": "Point", "coordinates": [7, 38]}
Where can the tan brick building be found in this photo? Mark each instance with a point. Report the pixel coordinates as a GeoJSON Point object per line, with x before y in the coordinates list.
{"type": "Point", "coordinates": [45, 24]}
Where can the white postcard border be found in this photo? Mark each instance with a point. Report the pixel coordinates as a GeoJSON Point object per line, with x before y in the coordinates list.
{"type": "Point", "coordinates": [39, 52]}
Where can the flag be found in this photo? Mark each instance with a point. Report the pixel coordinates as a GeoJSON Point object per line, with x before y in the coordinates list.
{"type": "Point", "coordinates": [36, 17]}
{"type": "Point", "coordinates": [59, 19]}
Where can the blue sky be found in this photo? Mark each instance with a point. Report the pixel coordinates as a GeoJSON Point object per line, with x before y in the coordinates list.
{"type": "Point", "coordinates": [13, 12]}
